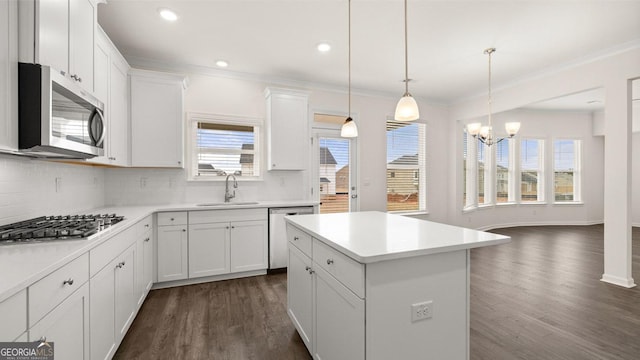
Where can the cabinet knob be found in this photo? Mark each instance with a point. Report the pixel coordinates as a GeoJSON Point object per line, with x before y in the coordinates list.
{"type": "Point", "coordinates": [329, 261]}
{"type": "Point", "coordinates": [69, 281]}
{"type": "Point", "coordinates": [226, 227]}
{"type": "Point", "coordinates": [233, 227]}
{"type": "Point", "coordinates": [147, 240]}
{"type": "Point", "coordinates": [307, 268]}
{"type": "Point", "coordinates": [311, 272]}
{"type": "Point", "coordinates": [295, 238]}
{"type": "Point", "coordinates": [179, 162]}
{"type": "Point", "coordinates": [184, 230]}
{"type": "Point", "coordinates": [146, 225]}
{"type": "Point", "coordinates": [172, 219]}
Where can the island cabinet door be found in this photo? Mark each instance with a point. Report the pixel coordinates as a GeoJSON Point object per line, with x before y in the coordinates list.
{"type": "Point", "coordinates": [339, 320]}
{"type": "Point", "coordinates": [300, 294]}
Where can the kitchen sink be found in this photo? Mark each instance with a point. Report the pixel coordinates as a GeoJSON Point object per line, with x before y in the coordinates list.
{"type": "Point", "coordinates": [229, 203]}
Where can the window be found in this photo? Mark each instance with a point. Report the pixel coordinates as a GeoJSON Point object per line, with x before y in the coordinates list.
{"type": "Point", "coordinates": [406, 164]}
{"type": "Point", "coordinates": [566, 175]}
{"type": "Point", "coordinates": [484, 193]}
{"type": "Point", "coordinates": [504, 171]}
{"type": "Point", "coordinates": [467, 170]}
{"type": "Point", "coordinates": [224, 145]}
{"type": "Point", "coordinates": [531, 170]}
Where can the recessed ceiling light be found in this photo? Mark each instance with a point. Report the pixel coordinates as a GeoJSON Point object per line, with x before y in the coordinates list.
{"type": "Point", "coordinates": [168, 14]}
{"type": "Point", "coordinates": [324, 47]}
{"type": "Point", "coordinates": [222, 63]}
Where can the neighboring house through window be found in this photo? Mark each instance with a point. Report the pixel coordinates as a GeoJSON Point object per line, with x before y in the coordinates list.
{"type": "Point", "coordinates": [406, 166]}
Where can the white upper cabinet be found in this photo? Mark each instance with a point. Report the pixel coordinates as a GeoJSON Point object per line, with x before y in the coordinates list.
{"type": "Point", "coordinates": [60, 34]}
{"type": "Point", "coordinates": [8, 75]}
{"type": "Point", "coordinates": [287, 129]}
{"type": "Point", "coordinates": [157, 119]}
{"type": "Point", "coordinates": [112, 88]}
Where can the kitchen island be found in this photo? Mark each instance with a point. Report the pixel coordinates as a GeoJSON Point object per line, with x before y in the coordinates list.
{"type": "Point", "coordinates": [372, 285]}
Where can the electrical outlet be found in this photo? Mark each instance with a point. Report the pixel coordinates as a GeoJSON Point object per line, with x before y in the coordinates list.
{"type": "Point", "coordinates": [421, 311]}
{"type": "Point", "coordinates": [143, 182]}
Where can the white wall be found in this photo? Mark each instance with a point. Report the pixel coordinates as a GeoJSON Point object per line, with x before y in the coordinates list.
{"type": "Point", "coordinates": [635, 180]}
{"type": "Point", "coordinates": [28, 188]}
{"type": "Point", "coordinates": [214, 94]}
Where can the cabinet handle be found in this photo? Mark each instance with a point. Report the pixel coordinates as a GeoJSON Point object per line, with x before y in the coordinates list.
{"type": "Point", "coordinates": [226, 227]}
{"type": "Point", "coordinates": [329, 261]}
{"type": "Point", "coordinates": [311, 271]}
{"type": "Point", "coordinates": [179, 162]}
{"type": "Point", "coordinates": [273, 165]}
{"type": "Point", "coordinates": [120, 265]}
{"type": "Point", "coordinates": [233, 227]}
{"type": "Point", "coordinates": [184, 230]}
{"type": "Point", "coordinates": [147, 239]}
{"type": "Point", "coordinates": [307, 268]}
{"type": "Point", "coordinates": [69, 281]}
{"type": "Point", "coordinates": [172, 219]}
{"type": "Point", "coordinates": [146, 225]}
{"type": "Point", "coordinates": [295, 238]}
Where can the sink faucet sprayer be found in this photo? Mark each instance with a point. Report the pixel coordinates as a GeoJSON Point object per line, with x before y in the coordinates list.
{"type": "Point", "coordinates": [228, 195]}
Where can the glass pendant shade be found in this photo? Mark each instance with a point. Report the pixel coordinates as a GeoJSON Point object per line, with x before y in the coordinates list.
{"type": "Point", "coordinates": [512, 128]}
{"type": "Point", "coordinates": [485, 131]}
{"type": "Point", "coordinates": [349, 128]}
{"type": "Point", "coordinates": [407, 109]}
{"type": "Point", "coordinates": [474, 129]}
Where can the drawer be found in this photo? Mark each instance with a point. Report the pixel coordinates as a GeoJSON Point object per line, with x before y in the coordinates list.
{"type": "Point", "coordinates": [346, 270]}
{"type": "Point", "coordinates": [143, 226]}
{"type": "Point", "coordinates": [214, 216]}
{"type": "Point", "coordinates": [172, 218]}
{"type": "Point", "coordinates": [50, 291]}
{"type": "Point", "coordinates": [103, 254]}
{"type": "Point", "coordinates": [13, 313]}
{"type": "Point", "coordinates": [300, 239]}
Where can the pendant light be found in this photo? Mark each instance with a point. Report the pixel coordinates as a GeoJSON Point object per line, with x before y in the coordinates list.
{"type": "Point", "coordinates": [485, 133]}
{"type": "Point", "coordinates": [349, 128]}
{"type": "Point", "coordinates": [407, 108]}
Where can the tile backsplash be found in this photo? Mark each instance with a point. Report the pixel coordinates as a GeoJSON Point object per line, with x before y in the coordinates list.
{"type": "Point", "coordinates": [31, 188]}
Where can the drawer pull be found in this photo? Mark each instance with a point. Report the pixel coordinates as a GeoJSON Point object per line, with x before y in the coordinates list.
{"type": "Point", "coordinates": [172, 219]}
{"type": "Point", "coordinates": [311, 271]}
{"type": "Point", "coordinates": [68, 282]}
{"type": "Point", "coordinates": [147, 239]}
{"type": "Point", "coordinates": [184, 230]}
{"type": "Point", "coordinates": [295, 238]}
{"type": "Point", "coordinates": [307, 268]}
{"type": "Point", "coordinates": [120, 265]}
{"type": "Point", "coordinates": [146, 225]}
{"type": "Point", "coordinates": [329, 261]}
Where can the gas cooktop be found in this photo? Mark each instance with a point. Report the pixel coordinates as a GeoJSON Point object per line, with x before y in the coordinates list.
{"type": "Point", "coordinates": [49, 228]}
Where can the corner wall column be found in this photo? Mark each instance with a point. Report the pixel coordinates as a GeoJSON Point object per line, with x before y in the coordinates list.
{"type": "Point", "coordinates": [617, 184]}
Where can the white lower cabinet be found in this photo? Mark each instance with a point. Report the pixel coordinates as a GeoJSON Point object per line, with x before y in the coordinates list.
{"type": "Point", "coordinates": [173, 256]}
{"type": "Point", "coordinates": [103, 305]}
{"type": "Point", "coordinates": [125, 292]}
{"type": "Point", "coordinates": [249, 247]}
{"type": "Point", "coordinates": [67, 326]}
{"type": "Point", "coordinates": [329, 316]}
{"type": "Point", "coordinates": [13, 312]}
{"type": "Point", "coordinates": [300, 294]}
{"type": "Point", "coordinates": [339, 320]}
{"type": "Point", "coordinates": [144, 260]}
{"type": "Point", "coordinates": [215, 242]}
{"type": "Point", "coordinates": [209, 249]}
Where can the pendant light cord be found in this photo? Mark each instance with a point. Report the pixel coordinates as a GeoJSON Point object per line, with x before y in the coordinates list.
{"type": "Point", "coordinates": [349, 46]}
{"type": "Point", "coordinates": [489, 52]}
{"type": "Point", "coordinates": [406, 52]}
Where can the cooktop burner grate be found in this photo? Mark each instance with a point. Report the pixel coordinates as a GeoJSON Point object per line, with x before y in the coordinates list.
{"type": "Point", "coordinates": [48, 228]}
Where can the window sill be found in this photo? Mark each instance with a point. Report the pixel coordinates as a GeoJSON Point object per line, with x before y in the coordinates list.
{"type": "Point", "coordinates": [534, 203]}
{"type": "Point", "coordinates": [222, 179]}
{"type": "Point", "coordinates": [509, 203]}
{"type": "Point", "coordinates": [409, 213]}
{"type": "Point", "coordinates": [568, 203]}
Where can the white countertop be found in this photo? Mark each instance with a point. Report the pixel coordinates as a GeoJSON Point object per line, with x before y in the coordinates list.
{"type": "Point", "coordinates": [23, 264]}
{"type": "Point", "coordinates": [369, 237]}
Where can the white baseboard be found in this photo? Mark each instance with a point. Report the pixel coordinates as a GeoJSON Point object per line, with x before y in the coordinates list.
{"type": "Point", "coordinates": [615, 280]}
{"type": "Point", "coordinates": [168, 284]}
{"type": "Point", "coordinates": [539, 223]}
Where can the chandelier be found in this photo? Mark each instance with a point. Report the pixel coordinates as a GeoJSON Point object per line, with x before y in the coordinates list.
{"type": "Point", "coordinates": [485, 133]}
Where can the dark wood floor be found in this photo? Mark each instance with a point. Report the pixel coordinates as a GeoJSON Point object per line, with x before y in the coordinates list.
{"type": "Point", "coordinates": [538, 297]}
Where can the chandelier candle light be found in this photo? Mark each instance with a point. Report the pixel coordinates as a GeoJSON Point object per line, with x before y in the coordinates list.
{"type": "Point", "coordinates": [407, 108]}
{"type": "Point", "coordinates": [485, 133]}
{"type": "Point", "coordinates": [349, 128]}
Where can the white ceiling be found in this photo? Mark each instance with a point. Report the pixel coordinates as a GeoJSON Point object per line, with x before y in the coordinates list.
{"type": "Point", "coordinates": [278, 38]}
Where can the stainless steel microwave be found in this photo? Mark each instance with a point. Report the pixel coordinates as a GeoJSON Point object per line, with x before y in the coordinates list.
{"type": "Point", "coordinates": [57, 118]}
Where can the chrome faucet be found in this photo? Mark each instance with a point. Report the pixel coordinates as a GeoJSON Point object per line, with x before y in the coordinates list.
{"type": "Point", "coordinates": [228, 195]}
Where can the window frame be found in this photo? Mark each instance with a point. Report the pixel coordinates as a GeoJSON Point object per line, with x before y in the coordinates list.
{"type": "Point", "coordinates": [422, 168]}
{"type": "Point", "coordinates": [577, 172]}
{"type": "Point", "coordinates": [193, 118]}
{"type": "Point", "coordinates": [542, 176]}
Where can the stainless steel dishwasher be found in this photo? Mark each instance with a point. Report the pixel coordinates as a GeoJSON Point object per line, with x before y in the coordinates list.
{"type": "Point", "coordinates": [278, 234]}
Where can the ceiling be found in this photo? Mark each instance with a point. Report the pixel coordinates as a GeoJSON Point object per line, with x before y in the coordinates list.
{"type": "Point", "coordinates": [276, 39]}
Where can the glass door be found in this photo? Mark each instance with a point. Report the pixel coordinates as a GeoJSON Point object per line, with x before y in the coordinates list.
{"type": "Point", "coordinates": [335, 172]}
